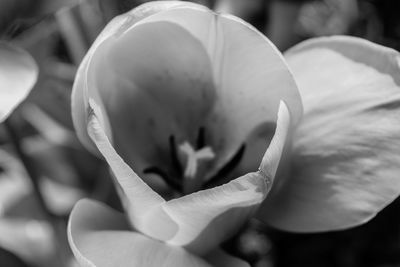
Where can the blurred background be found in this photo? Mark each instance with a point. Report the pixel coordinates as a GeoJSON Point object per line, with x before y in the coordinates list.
{"type": "Point", "coordinates": [44, 170]}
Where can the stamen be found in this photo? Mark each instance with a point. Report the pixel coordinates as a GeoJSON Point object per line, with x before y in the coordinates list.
{"type": "Point", "coordinates": [201, 141]}
{"type": "Point", "coordinates": [222, 175]}
{"type": "Point", "coordinates": [174, 156]}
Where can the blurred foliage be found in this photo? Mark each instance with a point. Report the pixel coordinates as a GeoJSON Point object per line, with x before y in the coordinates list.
{"type": "Point", "coordinates": [10, 260]}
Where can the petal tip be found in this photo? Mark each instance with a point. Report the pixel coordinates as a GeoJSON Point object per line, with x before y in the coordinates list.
{"type": "Point", "coordinates": [272, 156]}
{"type": "Point", "coordinates": [19, 75]}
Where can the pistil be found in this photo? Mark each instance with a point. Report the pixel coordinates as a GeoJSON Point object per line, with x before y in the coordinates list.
{"type": "Point", "coordinates": [194, 160]}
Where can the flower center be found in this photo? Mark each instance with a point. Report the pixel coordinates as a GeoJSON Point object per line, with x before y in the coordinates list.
{"type": "Point", "coordinates": [190, 165]}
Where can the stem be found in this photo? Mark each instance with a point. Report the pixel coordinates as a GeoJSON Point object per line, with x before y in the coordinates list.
{"type": "Point", "coordinates": [29, 167]}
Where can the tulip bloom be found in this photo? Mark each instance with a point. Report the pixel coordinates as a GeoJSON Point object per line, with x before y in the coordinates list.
{"type": "Point", "coordinates": [176, 90]}
{"type": "Point", "coordinates": [172, 91]}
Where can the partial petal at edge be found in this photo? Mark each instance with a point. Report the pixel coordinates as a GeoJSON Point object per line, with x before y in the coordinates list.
{"type": "Point", "coordinates": [144, 207]}
{"type": "Point", "coordinates": [18, 75]}
{"type": "Point", "coordinates": [346, 150]}
{"type": "Point", "coordinates": [100, 237]}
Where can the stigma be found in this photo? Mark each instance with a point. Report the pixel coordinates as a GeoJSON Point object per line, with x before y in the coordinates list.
{"type": "Point", "coordinates": [194, 160]}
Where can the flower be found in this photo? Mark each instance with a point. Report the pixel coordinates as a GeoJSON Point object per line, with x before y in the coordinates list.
{"type": "Point", "coordinates": [176, 90]}
{"type": "Point", "coordinates": [18, 75]}
{"type": "Point", "coordinates": [215, 78]}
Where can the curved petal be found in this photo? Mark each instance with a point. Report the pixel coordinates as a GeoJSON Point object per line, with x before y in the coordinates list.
{"type": "Point", "coordinates": [208, 217]}
{"type": "Point", "coordinates": [18, 75]}
{"type": "Point", "coordinates": [100, 237]}
{"type": "Point", "coordinates": [233, 89]}
{"type": "Point", "coordinates": [118, 25]}
{"type": "Point", "coordinates": [166, 91]}
{"type": "Point", "coordinates": [250, 77]}
{"type": "Point", "coordinates": [347, 148]}
{"type": "Point", "coordinates": [143, 204]}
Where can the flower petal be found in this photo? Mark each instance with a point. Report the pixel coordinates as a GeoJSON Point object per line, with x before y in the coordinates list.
{"type": "Point", "coordinates": [250, 76]}
{"type": "Point", "coordinates": [208, 217]}
{"type": "Point", "coordinates": [18, 75]}
{"type": "Point", "coordinates": [249, 72]}
{"type": "Point", "coordinates": [119, 24]}
{"type": "Point", "coordinates": [100, 237]}
{"type": "Point", "coordinates": [166, 92]}
{"type": "Point", "coordinates": [143, 204]}
{"type": "Point", "coordinates": [347, 148]}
